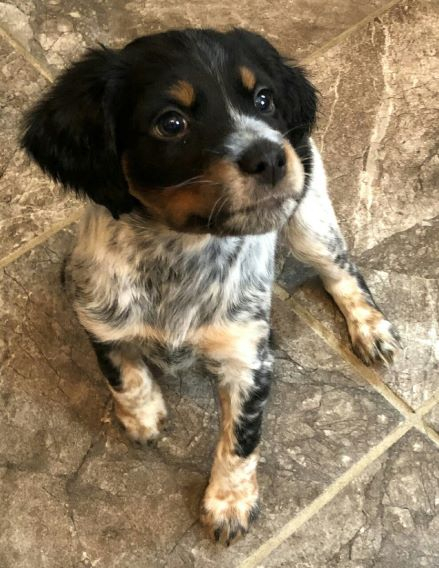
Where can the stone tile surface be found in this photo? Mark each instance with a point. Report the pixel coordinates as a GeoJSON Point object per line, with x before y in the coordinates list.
{"type": "Point", "coordinates": [378, 134]}
{"type": "Point", "coordinates": [389, 516]}
{"type": "Point", "coordinates": [378, 128]}
{"type": "Point", "coordinates": [127, 505]}
{"type": "Point", "coordinates": [19, 84]}
{"type": "Point", "coordinates": [29, 202]}
{"type": "Point", "coordinates": [58, 30]}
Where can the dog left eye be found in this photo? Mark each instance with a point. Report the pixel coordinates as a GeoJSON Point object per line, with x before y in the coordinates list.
{"type": "Point", "coordinates": [264, 100]}
{"type": "Point", "coordinates": [170, 125]}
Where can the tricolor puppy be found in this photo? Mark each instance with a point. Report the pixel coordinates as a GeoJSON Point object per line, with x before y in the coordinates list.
{"type": "Point", "coordinates": [194, 147]}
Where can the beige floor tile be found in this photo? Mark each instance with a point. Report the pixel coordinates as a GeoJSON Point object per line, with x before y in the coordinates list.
{"type": "Point", "coordinates": [432, 418]}
{"type": "Point", "coordinates": [389, 516]}
{"type": "Point", "coordinates": [29, 202]}
{"type": "Point", "coordinates": [59, 30]}
{"type": "Point", "coordinates": [379, 123]}
{"type": "Point", "coordinates": [19, 85]}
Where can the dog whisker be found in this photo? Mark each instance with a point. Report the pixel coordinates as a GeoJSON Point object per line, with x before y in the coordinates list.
{"type": "Point", "coordinates": [225, 199]}
{"type": "Point", "coordinates": [292, 129]}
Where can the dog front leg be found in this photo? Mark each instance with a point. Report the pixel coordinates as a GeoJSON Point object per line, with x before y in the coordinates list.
{"type": "Point", "coordinates": [243, 369]}
{"type": "Point", "coordinates": [315, 239]}
{"type": "Point", "coordinates": [139, 403]}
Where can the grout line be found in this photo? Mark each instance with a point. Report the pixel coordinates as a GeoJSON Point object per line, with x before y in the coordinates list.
{"type": "Point", "coordinates": [346, 33]}
{"type": "Point", "coordinates": [414, 417]}
{"type": "Point", "coordinates": [324, 498]}
{"type": "Point", "coordinates": [368, 374]}
{"type": "Point", "coordinates": [431, 434]}
{"type": "Point", "coordinates": [428, 405]}
{"type": "Point", "coordinates": [422, 426]}
{"type": "Point", "coordinates": [40, 67]}
{"type": "Point", "coordinates": [41, 238]}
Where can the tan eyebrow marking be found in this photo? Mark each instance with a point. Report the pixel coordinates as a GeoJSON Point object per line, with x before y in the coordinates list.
{"type": "Point", "coordinates": [248, 78]}
{"type": "Point", "coordinates": [183, 92]}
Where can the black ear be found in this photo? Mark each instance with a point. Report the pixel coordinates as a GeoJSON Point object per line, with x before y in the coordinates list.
{"type": "Point", "coordinates": [301, 100]}
{"type": "Point", "coordinates": [299, 106]}
{"type": "Point", "coordinates": [71, 131]}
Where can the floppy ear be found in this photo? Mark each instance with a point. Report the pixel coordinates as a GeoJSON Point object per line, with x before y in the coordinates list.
{"type": "Point", "coordinates": [299, 106]}
{"type": "Point", "coordinates": [71, 131]}
{"type": "Point", "coordinates": [301, 100]}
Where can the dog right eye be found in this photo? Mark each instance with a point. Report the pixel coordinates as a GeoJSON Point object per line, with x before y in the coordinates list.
{"type": "Point", "coordinates": [170, 124]}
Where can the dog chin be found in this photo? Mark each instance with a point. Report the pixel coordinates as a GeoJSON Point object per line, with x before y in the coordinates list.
{"type": "Point", "coordinates": [260, 220]}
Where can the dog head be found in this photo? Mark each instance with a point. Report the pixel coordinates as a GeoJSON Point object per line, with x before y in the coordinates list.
{"type": "Point", "coordinates": [203, 131]}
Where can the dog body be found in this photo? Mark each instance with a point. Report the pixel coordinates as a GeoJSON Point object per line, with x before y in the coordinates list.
{"type": "Point", "coordinates": [195, 147]}
{"type": "Point", "coordinates": [142, 282]}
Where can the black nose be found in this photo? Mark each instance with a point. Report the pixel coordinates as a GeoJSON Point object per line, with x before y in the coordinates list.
{"type": "Point", "coordinates": [265, 160]}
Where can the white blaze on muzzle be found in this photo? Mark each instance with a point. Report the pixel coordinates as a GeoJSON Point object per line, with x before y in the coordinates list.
{"type": "Point", "coordinates": [247, 131]}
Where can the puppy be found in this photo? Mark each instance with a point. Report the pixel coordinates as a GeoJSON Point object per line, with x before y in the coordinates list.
{"type": "Point", "coordinates": [194, 147]}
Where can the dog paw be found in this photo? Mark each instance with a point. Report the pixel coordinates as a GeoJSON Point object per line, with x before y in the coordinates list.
{"type": "Point", "coordinates": [227, 515]}
{"type": "Point", "coordinates": [374, 339]}
{"type": "Point", "coordinates": [143, 425]}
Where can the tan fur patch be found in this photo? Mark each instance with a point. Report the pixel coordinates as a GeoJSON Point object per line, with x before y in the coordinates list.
{"type": "Point", "coordinates": [350, 299]}
{"type": "Point", "coordinates": [294, 169]}
{"type": "Point", "coordinates": [236, 342]}
{"type": "Point", "coordinates": [248, 78]}
{"type": "Point", "coordinates": [228, 439]}
{"type": "Point", "coordinates": [176, 204]}
{"type": "Point", "coordinates": [183, 92]}
{"type": "Point", "coordinates": [370, 332]}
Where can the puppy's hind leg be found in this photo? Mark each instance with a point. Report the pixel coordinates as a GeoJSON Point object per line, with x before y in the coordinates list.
{"type": "Point", "coordinates": [315, 239]}
{"type": "Point", "coordinates": [139, 403]}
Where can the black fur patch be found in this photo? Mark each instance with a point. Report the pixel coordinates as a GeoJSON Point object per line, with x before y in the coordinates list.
{"type": "Point", "coordinates": [248, 429]}
{"type": "Point", "coordinates": [109, 370]}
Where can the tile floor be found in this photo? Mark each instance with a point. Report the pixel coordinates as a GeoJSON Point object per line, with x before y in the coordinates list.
{"type": "Point", "coordinates": [350, 469]}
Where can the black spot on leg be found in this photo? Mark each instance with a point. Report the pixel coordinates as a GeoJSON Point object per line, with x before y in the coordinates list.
{"type": "Point", "coordinates": [248, 429]}
{"type": "Point", "coordinates": [109, 370]}
{"type": "Point", "coordinates": [367, 294]}
{"type": "Point", "coordinates": [62, 274]}
{"type": "Point", "coordinates": [341, 259]}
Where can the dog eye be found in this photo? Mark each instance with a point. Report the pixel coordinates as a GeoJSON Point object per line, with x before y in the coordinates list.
{"type": "Point", "coordinates": [170, 124]}
{"type": "Point", "coordinates": [264, 100]}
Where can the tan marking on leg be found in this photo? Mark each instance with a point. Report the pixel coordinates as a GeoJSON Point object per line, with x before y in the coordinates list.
{"type": "Point", "coordinates": [230, 502]}
{"type": "Point", "coordinates": [372, 336]}
{"type": "Point", "coordinates": [247, 77]}
{"type": "Point", "coordinates": [183, 92]}
{"type": "Point", "coordinates": [139, 404]}
{"type": "Point", "coordinates": [232, 342]}
{"type": "Point", "coordinates": [234, 347]}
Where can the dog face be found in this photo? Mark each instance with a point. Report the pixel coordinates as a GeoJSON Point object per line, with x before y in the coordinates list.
{"type": "Point", "coordinates": [206, 132]}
